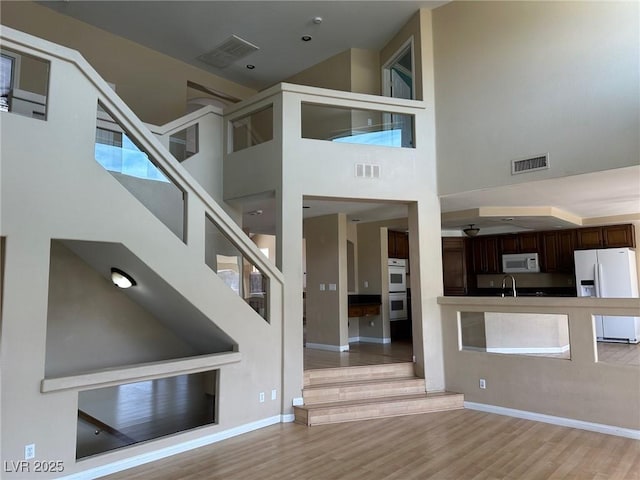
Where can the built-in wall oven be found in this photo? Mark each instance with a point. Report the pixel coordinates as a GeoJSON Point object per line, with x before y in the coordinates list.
{"type": "Point", "coordinates": [397, 275]}
{"type": "Point", "coordinates": [397, 289]}
{"type": "Point", "coordinates": [398, 306]}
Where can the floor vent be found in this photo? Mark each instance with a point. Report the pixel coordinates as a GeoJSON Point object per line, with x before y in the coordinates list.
{"type": "Point", "coordinates": [540, 162]}
{"type": "Point", "coordinates": [232, 49]}
{"type": "Point", "coordinates": [367, 170]}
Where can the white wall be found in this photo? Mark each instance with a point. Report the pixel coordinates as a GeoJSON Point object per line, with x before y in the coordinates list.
{"type": "Point", "coordinates": [520, 79]}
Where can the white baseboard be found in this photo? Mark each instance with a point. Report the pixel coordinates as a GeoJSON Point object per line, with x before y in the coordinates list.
{"type": "Point", "coordinates": [524, 350]}
{"type": "Point", "coordinates": [369, 340]}
{"type": "Point", "coordinates": [562, 421]}
{"type": "Point", "coordinates": [331, 348]}
{"type": "Point", "coordinates": [288, 418]}
{"type": "Point", "coordinates": [137, 460]}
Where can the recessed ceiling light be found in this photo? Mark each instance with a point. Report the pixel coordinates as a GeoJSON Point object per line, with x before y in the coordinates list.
{"type": "Point", "coordinates": [122, 279]}
{"type": "Point", "coordinates": [355, 219]}
{"type": "Point", "coordinates": [254, 212]}
{"type": "Point", "coordinates": [306, 38]}
{"type": "Point", "coordinates": [306, 206]}
{"type": "Point", "coordinates": [251, 67]}
{"type": "Point", "coordinates": [317, 20]}
{"type": "Point", "coordinates": [508, 219]}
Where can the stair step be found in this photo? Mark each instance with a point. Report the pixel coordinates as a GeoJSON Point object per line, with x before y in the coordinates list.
{"type": "Point", "coordinates": [347, 391]}
{"type": "Point", "coordinates": [366, 409]}
{"type": "Point", "coordinates": [360, 373]}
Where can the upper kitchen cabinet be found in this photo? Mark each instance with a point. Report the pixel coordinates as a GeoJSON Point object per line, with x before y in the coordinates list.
{"type": "Point", "coordinates": [485, 255]}
{"type": "Point", "coordinates": [557, 251]}
{"type": "Point", "coordinates": [527, 242]}
{"type": "Point", "coordinates": [615, 236]}
{"type": "Point", "coordinates": [589, 238]}
{"type": "Point", "coordinates": [398, 244]}
{"type": "Point", "coordinates": [454, 266]}
{"type": "Point", "coordinates": [609, 236]}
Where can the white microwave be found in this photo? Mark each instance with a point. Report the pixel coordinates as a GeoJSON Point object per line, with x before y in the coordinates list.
{"type": "Point", "coordinates": [520, 263]}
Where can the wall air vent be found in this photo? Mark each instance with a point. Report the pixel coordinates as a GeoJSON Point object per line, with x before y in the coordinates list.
{"type": "Point", "coordinates": [541, 162]}
{"type": "Point", "coordinates": [231, 50]}
{"type": "Point", "coordinates": [367, 170]}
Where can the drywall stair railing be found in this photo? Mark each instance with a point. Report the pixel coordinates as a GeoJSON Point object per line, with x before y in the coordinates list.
{"type": "Point", "coordinates": [52, 188]}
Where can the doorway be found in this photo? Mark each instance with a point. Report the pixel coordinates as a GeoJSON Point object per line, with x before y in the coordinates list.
{"type": "Point", "coordinates": [398, 82]}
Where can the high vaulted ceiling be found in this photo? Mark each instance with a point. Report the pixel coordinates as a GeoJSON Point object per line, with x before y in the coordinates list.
{"type": "Point", "coordinates": [186, 30]}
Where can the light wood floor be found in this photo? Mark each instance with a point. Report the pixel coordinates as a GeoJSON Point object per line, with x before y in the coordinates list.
{"type": "Point", "coordinates": [359, 354]}
{"type": "Point", "coordinates": [458, 445]}
{"type": "Point", "coordinates": [619, 353]}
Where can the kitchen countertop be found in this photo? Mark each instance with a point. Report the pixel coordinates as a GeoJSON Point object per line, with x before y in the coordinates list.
{"type": "Point", "coordinates": [627, 306]}
{"type": "Point", "coordinates": [359, 300]}
{"type": "Point", "coordinates": [525, 292]}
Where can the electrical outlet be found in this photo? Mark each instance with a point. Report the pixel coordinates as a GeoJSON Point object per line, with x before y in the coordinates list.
{"type": "Point", "coordinates": [261, 397]}
{"type": "Point", "coordinates": [274, 394]}
{"type": "Point", "coordinates": [332, 287]}
{"type": "Point", "coordinates": [483, 383]}
{"type": "Point", "coordinates": [322, 287]}
{"type": "Point", "coordinates": [29, 451]}
{"type": "Point", "coordinates": [491, 283]}
{"type": "Point", "coordinates": [366, 284]}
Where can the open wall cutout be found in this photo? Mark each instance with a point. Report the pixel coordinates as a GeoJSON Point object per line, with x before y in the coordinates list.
{"type": "Point", "coordinates": [123, 415]}
{"type": "Point", "coordinates": [531, 334]}
{"type": "Point", "coordinates": [92, 324]}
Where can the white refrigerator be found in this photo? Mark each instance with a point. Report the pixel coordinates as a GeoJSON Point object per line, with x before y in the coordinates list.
{"type": "Point", "coordinates": [609, 273]}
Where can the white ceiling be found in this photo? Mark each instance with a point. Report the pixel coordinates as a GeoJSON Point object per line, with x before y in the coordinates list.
{"type": "Point", "coordinates": [185, 30]}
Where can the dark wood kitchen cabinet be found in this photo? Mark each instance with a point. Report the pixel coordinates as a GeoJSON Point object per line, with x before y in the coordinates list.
{"type": "Point", "coordinates": [485, 255]}
{"type": "Point", "coordinates": [527, 242]}
{"type": "Point", "coordinates": [609, 236]}
{"type": "Point", "coordinates": [615, 236]}
{"type": "Point", "coordinates": [557, 251]}
{"type": "Point", "coordinates": [398, 244]}
{"type": "Point", "coordinates": [589, 238]}
{"type": "Point", "coordinates": [454, 266]}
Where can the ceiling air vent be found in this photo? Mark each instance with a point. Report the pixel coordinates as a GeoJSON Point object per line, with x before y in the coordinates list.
{"type": "Point", "coordinates": [541, 162]}
{"type": "Point", "coordinates": [231, 50]}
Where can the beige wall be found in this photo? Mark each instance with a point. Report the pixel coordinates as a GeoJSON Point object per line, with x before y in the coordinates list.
{"type": "Point", "coordinates": [581, 388]}
{"type": "Point", "coordinates": [326, 243]}
{"type": "Point", "coordinates": [365, 71]}
{"type": "Point", "coordinates": [93, 325]}
{"type": "Point", "coordinates": [333, 73]}
{"type": "Point", "coordinates": [152, 84]}
{"type": "Point", "coordinates": [520, 79]}
{"type": "Point", "coordinates": [355, 70]}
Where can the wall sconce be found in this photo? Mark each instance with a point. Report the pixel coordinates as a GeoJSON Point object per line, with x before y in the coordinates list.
{"type": "Point", "coordinates": [121, 279]}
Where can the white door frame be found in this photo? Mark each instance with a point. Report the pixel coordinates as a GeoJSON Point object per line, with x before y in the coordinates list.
{"type": "Point", "coordinates": [386, 77]}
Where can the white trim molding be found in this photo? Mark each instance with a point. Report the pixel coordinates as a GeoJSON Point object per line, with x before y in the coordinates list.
{"type": "Point", "coordinates": [331, 348]}
{"type": "Point", "coordinates": [137, 460]}
{"type": "Point", "coordinates": [525, 350]}
{"type": "Point", "coordinates": [374, 339]}
{"type": "Point", "coordinates": [562, 421]}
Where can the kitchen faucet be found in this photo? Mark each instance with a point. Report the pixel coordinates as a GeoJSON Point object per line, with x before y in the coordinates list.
{"type": "Point", "coordinates": [513, 284]}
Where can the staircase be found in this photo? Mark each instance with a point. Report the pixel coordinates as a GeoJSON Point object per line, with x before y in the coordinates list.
{"type": "Point", "coordinates": [335, 395]}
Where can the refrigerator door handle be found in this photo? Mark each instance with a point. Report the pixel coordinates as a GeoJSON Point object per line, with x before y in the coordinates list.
{"type": "Point", "coordinates": [599, 284]}
{"type": "Point", "coordinates": [596, 278]}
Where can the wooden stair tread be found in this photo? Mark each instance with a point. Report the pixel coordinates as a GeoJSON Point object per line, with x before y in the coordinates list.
{"type": "Point", "coordinates": [357, 373]}
{"type": "Point", "coordinates": [378, 400]}
{"type": "Point", "coordinates": [355, 383]}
